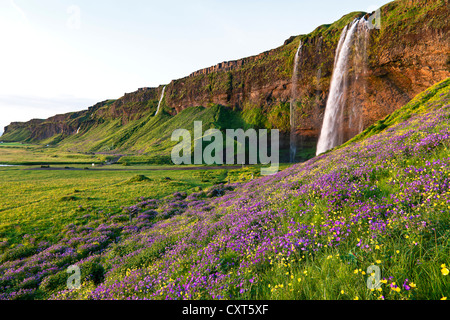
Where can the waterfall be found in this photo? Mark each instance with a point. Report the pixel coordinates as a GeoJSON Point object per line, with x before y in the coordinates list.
{"type": "Point", "coordinates": [78, 130]}
{"type": "Point", "coordinates": [318, 79]}
{"type": "Point", "coordinates": [360, 63]}
{"type": "Point", "coordinates": [331, 134]}
{"type": "Point", "coordinates": [160, 100]}
{"type": "Point", "coordinates": [293, 113]}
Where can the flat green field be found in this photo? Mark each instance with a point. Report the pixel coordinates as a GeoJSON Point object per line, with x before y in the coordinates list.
{"type": "Point", "coordinates": [41, 201]}
{"type": "Point", "coordinates": [28, 154]}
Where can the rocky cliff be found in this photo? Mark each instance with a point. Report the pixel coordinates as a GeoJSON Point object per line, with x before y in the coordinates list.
{"type": "Point", "coordinates": [410, 52]}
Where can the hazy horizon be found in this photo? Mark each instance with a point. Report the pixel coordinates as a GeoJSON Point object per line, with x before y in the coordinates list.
{"type": "Point", "coordinates": [64, 56]}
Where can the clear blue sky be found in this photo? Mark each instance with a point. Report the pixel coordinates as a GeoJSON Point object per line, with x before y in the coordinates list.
{"type": "Point", "coordinates": [58, 55]}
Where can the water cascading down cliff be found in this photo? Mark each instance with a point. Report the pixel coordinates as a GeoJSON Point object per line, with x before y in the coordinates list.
{"type": "Point", "coordinates": [292, 113]}
{"type": "Point", "coordinates": [160, 100]}
{"type": "Point", "coordinates": [353, 40]}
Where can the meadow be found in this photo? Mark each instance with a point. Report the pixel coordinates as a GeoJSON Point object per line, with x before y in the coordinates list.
{"type": "Point", "coordinates": [39, 200]}
{"type": "Point", "coordinates": [367, 220]}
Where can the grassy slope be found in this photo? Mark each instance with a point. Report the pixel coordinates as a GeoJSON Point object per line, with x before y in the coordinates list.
{"type": "Point", "coordinates": [148, 140]}
{"type": "Point", "coordinates": [28, 207]}
{"type": "Point", "coordinates": [151, 133]}
{"type": "Point", "coordinates": [311, 231]}
{"type": "Point", "coordinates": [39, 206]}
{"type": "Point", "coordinates": [21, 134]}
{"type": "Point", "coordinates": [308, 232]}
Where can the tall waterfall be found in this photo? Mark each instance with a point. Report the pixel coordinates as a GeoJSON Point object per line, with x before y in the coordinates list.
{"type": "Point", "coordinates": [160, 100]}
{"type": "Point", "coordinates": [318, 86]}
{"type": "Point", "coordinates": [360, 64]}
{"type": "Point", "coordinates": [331, 135]}
{"type": "Point", "coordinates": [293, 109]}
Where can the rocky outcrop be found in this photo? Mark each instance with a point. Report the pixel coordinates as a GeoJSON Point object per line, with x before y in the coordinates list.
{"type": "Point", "coordinates": [229, 65]}
{"type": "Point", "coordinates": [131, 106]}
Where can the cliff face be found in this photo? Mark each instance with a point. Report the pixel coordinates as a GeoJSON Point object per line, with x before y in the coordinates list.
{"type": "Point", "coordinates": [131, 106]}
{"type": "Point", "coordinates": [409, 53]}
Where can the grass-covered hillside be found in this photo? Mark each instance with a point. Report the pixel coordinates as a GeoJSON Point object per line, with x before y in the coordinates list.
{"type": "Point", "coordinates": [149, 136]}
{"type": "Point", "coordinates": [146, 140]}
{"type": "Point", "coordinates": [309, 232]}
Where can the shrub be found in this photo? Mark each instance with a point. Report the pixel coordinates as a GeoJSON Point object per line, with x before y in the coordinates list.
{"type": "Point", "coordinates": [92, 271]}
{"type": "Point", "coordinates": [54, 283]}
{"type": "Point", "coordinates": [18, 252]}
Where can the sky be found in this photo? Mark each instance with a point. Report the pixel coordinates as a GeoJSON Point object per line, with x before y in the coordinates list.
{"type": "Point", "coordinates": [58, 56]}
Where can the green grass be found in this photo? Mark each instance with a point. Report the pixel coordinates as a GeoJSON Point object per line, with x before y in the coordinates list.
{"type": "Point", "coordinates": [32, 154]}
{"type": "Point", "coordinates": [41, 202]}
{"type": "Point", "coordinates": [149, 135]}
{"type": "Point", "coordinates": [143, 141]}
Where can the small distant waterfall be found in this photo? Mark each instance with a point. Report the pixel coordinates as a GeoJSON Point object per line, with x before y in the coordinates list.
{"type": "Point", "coordinates": [78, 130]}
{"type": "Point", "coordinates": [160, 100]}
{"type": "Point", "coordinates": [293, 109]}
{"type": "Point", "coordinates": [331, 135]}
